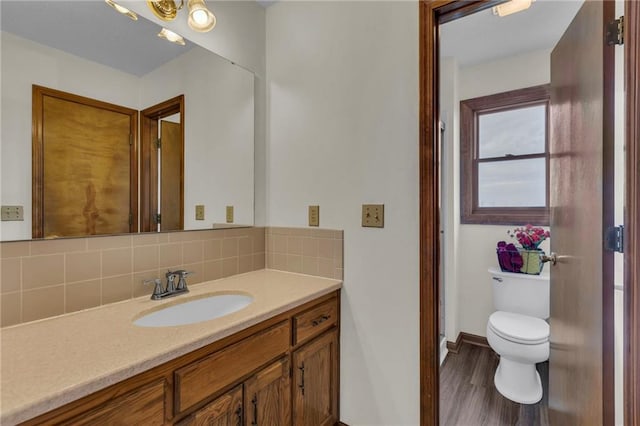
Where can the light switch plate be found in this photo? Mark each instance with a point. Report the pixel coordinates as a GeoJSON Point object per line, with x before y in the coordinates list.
{"type": "Point", "coordinates": [229, 214]}
{"type": "Point", "coordinates": [199, 212]}
{"type": "Point", "coordinates": [10, 213]}
{"type": "Point", "coordinates": [314, 215]}
{"type": "Point", "coordinates": [373, 215]}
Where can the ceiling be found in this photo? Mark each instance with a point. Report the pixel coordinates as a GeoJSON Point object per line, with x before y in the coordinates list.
{"type": "Point", "coordinates": [483, 37]}
{"type": "Point", "coordinates": [91, 30]}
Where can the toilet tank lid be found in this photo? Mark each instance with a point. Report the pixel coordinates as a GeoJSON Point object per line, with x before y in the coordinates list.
{"type": "Point", "coordinates": [519, 328]}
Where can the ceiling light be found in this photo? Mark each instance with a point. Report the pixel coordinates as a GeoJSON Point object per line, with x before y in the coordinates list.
{"type": "Point", "coordinates": [171, 36]}
{"type": "Point", "coordinates": [511, 6]}
{"type": "Point", "coordinates": [122, 9]}
{"type": "Point", "coordinates": [200, 18]}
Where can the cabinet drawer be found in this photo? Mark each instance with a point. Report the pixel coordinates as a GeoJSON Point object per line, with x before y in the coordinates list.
{"type": "Point", "coordinates": [144, 405]}
{"type": "Point", "coordinates": [203, 378]}
{"type": "Point", "coordinates": [314, 321]}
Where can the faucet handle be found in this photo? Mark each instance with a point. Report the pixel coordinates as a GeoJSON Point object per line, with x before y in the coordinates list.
{"type": "Point", "coordinates": [182, 282]}
{"type": "Point", "coordinates": [157, 290]}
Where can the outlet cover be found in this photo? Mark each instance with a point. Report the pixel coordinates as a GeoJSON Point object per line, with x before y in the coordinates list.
{"type": "Point", "coordinates": [373, 215]}
{"type": "Point", "coordinates": [11, 213]}
{"type": "Point", "coordinates": [314, 215]}
{"type": "Point", "coordinates": [229, 214]}
{"type": "Point", "coordinates": [199, 212]}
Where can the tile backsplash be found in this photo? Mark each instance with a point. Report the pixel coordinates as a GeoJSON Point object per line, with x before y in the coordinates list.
{"type": "Point", "coordinates": [44, 278]}
{"type": "Point", "coordinates": [309, 251]}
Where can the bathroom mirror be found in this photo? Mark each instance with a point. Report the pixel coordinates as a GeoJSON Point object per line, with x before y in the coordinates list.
{"type": "Point", "coordinates": [89, 50]}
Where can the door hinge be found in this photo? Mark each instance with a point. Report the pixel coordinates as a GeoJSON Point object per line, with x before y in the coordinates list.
{"type": "Point", "coordinates": [158, 218]}
{"type": "Point", "coordinates": [614, 239]}
{"type": "Point", "coordinates": [130, 218]}
{"type": "Point", "coordinates": [130, 139]}
{"type": "Point", "coordinates": [615, 32]}
{"type": "Point", "coordinates": [159, 143]}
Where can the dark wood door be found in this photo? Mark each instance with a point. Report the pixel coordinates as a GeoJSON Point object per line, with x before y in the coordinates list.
{"type": "Point", "coordinates": [171, 176]}
{"type": "Point", "coordinates": [267, 396]}
{"type": "Point", "coordinates": [580, 363]}
{"type": "Point", "coordinates": [315, 380]}
{"type": "Point", "coordinates": [84, 174]}
{"type": "Point", "coordinates": [225, 410]}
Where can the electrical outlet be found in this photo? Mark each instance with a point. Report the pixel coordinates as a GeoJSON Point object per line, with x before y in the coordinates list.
{"type": "Point", "coordinates": [199, 212]}
{"type": "Point", "coordinates": [229, 214]}
{"type": "Point", "coordinates": [10, 213]}
{"type": "Point", "coordinates": [373, 215]}
{"type": "Point", "coordinates": [314, 215]}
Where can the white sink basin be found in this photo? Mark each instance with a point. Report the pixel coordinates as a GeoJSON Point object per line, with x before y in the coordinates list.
{"type": "Point", "coordinates": [195, 310]}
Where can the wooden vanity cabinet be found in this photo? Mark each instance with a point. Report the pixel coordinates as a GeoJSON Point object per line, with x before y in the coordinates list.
{"type": "Point", "coordinates": [315, 381]}
{"type": "Point", "coordinates": [280, 372]}
{"type": "Point", "coordinates": [267, 396]}
{"type": "Point", "coordinates": [266, 401]}
{"type": "Point", "coordinates": [143, 405]}
{"type": "Point", "coordinates": [226, 410]}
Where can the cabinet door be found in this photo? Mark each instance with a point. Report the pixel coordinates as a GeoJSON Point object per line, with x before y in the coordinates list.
{"type": "Point", "coordinates": [315, 382]}
{"type": "Point", "coordinates": [226, 410]}
{"type": "Point", "coordinates": [268, 396]}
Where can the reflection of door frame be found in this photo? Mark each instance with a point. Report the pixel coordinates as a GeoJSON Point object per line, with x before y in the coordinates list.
{"type": "Point", "coordinates": [433, 13]}
{"type": "Point", "coordinates": [149, 159]}
{"type": "Point", "coordinates": [37, 143]}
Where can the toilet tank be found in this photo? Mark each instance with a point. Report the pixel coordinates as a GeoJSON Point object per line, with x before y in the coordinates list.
{"type": "Point", "coordinates": [520, 293]}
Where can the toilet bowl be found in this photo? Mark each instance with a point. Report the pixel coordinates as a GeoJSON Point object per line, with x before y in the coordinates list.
{"type": "Point", "coordinates": [522, 342]}
{"type": "Point", "coordinates": [518, 332]}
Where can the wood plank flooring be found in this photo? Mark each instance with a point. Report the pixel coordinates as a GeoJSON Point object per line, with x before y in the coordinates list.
{"type": "Point", "coordinates": [469, 398]}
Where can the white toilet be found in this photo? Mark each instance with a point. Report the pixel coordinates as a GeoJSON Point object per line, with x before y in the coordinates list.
{"type": "Point", "coordinates": [518, 332]}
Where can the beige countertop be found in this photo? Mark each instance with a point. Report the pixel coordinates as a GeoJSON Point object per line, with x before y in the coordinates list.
{"type": "Point", "coordinates": [46, 364]}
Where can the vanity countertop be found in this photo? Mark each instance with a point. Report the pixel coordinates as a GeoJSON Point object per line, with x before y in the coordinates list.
{"type": "Point", "coordinates": [48, 363]}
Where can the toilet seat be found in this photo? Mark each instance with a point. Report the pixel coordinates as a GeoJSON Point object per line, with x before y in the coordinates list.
{"type": "Point", "coordinates": [518, 328]}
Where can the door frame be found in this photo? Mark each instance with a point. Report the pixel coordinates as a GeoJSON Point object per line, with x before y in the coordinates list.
{"type": "Point", "coordinates": [149, 158]}
{"type": "Point", "coordinates": [431, 14]}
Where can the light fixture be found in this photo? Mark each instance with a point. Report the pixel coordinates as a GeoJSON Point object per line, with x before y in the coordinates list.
{"type": "Point", "coordinates": [167, 10]}
{"type": "Point", "coordinates": [511, 6]}
{"type": "Point", "coordinates": [171, 36]}
{"type": "Point", "coordinates": [122, 9]}
{"type": "Point", "coordinates": [201, 19]}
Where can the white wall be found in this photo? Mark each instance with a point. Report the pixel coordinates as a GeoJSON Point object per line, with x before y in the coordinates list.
{"type": "Point", "coordinates": [450, 178]}
{"type": "Point", "coordinates": [25, 63]}
{"type": "Point", "coordinates": [343, 130]}
{"type": "Point", "coordinates": [468, 287]}
{"type": "Point", "coordinates": [218, 132]}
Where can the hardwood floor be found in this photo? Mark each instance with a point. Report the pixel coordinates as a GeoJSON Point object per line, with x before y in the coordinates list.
{"type": "Point", "coordinates": [469, 398]}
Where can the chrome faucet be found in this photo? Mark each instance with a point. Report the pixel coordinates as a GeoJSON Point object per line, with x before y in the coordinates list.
{"type": "Point", "coordinates": [171, 288]}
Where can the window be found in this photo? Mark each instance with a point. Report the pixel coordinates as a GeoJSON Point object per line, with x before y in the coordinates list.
{"type": "Point", "coordinates": [504, 153]}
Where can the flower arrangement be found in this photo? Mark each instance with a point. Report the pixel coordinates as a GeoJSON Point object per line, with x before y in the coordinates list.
{"type": "Point", "coordinates": [529, 236]}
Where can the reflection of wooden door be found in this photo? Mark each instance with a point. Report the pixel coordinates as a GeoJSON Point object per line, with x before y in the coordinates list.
{"type": "Point", "coordinates": [84, 177]}
{"type": "Point", "coordinates": [170, 176]}
{"type": "Point", "coordinates": [581, 149]}
{"type": "Point", "coordinates": [267, 396]}
{"type": "Point", "coordinates": [151, 125]}
{"type": "Point", "coordinates": [315, 375]}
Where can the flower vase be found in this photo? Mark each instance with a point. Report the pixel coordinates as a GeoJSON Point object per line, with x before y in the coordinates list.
{"type": "Point", "coordinates": [531, 261]}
